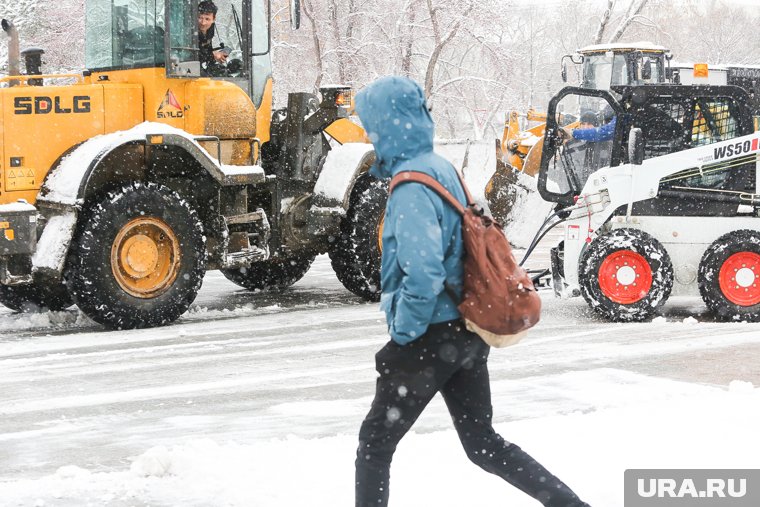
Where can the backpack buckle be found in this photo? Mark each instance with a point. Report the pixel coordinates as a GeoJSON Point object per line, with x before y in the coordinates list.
{"type": "Point", "coordinates": [477, 209]}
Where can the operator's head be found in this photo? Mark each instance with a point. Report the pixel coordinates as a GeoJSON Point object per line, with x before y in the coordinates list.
{"type": "Point", "coordinates": [589, 120]}
{"type": "Point", "coordinates": [206, 15]}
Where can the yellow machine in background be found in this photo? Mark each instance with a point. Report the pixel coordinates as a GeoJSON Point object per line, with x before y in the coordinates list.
{"type": "Point", "coordinates": [516, 144]}
{"type": "Point", "coordinates": [122, 187]}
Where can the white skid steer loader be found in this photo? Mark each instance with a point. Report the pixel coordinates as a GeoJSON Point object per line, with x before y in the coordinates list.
{"type": "Point", "coordinates": [665, 204]}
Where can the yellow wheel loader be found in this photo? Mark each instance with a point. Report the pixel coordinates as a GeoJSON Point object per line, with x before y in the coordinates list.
{"type": "Point", "coordinates": [121, 188]}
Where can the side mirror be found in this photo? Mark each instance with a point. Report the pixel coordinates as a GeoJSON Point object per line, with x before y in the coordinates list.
{"type": "Point", "coordinates": [636, 146]}
{"type": "Point", "coordinates": [295, 14]}
{"type": "Point", "coordinates": [646, 70]}
{"type": "Point", "coordinates": [564, 71]}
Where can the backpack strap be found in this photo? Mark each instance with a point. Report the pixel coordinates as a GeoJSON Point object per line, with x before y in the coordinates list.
{"type": "Point", "coordinates": [467, 194]}
{"type": "Point", "coordinates": [433, 184]}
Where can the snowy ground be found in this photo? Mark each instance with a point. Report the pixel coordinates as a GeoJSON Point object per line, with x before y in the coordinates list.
{"type": "Point", "coordinates": [252, 400]}
{"type": "Point", "coordinates": [256, 399]}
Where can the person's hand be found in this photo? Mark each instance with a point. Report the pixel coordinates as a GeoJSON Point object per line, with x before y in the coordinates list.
{"type": "Point", "coordinates": [565, 134]}
{"type": "Point", "coordinates": [219, 56]}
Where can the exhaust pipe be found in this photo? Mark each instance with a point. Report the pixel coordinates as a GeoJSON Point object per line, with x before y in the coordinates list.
{"type": "Point", "coordinates": [14, 55]}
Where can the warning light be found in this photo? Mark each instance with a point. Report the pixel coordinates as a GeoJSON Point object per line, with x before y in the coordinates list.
{"type": "Point", "coordinates": [700, 70]}
{"type": "Point", "coordinates": [343, 99]}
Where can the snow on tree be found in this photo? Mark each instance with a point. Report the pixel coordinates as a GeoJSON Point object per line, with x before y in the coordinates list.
{"type": "Point", "coordinates": [475, 59]}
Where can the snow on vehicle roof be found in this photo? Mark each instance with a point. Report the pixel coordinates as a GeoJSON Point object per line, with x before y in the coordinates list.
{"type": "Point", "coordinates": [19, 205]}
{"type": "Point", "coordinates": [623, 46]}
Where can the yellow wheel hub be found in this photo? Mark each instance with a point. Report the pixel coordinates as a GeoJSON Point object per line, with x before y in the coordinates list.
{"type": "Point", "coordinates": [145, 257]}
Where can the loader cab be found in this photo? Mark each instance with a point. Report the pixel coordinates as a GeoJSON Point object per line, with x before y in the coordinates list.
{"type": "Point", "coordinates": [566, 162]}
{"type": "Point", "coordinates": [672, 118]}
{"type": "Point", "coordinates": [139, 34]}
{"type": "Point", "coordinates": [604, 66]}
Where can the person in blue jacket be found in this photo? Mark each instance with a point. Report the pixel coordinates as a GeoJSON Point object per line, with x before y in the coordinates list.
{"type": "Point", "coordinates": [430, 350]}
{"type": "Point", "coordinates": [588, 130]}
{"type": "Point", "coordinates": [596, 134]}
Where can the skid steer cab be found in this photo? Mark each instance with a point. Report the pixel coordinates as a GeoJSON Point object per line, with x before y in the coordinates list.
{"type": "Point", "coordinates": [662, 201]}
{"type": "Point", "coordinates": [122, 187]}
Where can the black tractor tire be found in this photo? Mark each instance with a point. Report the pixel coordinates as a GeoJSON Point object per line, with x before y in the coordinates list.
{"type": "Point", "coordinates": [138, 257]}
{"type": "Point", "coordinates": [625, 275]}
{"type": "Point", "coordinates": [356, 253]}
{"type": "Point", "coordinates": [729, 276]}
{"type": "Point", "coordinates": [274, 274]}
{"type": "Point", "coordinates": [34, 297]}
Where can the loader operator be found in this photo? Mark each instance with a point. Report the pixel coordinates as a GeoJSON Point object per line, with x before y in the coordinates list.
{"type": "Point", "coordinates": [211, 60]}
{"type": "Point", "coordinates": [588, 130]}
{"type": "Point", "coordinates": [595, 151]}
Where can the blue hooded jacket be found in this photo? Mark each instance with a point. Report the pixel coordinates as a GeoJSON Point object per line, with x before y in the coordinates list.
{"type": "Point", "coordinates": [596, 134]}
{"type": "Point", "coordinates": [422, 236]}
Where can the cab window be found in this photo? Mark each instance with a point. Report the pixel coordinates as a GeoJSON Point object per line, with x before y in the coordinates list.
{"type": "Point", "coordinates": [593, 124]}
{"type": "Point", "coordinates": [225, 37]}
{"type": "Point", "coordinates": [124, 34]}
{"type": "Point", "coordinates": [261, 61]}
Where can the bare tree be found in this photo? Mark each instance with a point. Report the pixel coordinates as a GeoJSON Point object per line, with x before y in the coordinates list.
{"type": "Point", "coordinates": [311, 16]}
{"type": "Point", "coordinates": [441, 40]}
{"type": "Point", "coordinates": [632, 15]}
{"type": "Point", "coordinates": [475, 59]}
{"type": "Point", "coordinates": [604, 21]}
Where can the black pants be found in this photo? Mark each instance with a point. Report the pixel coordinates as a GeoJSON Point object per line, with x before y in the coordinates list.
{"type": "Point", "coordinates": [452, 360]}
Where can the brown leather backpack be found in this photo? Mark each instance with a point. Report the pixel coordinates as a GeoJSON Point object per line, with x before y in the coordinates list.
{"type": "Point", "coordinates": [499, 302]}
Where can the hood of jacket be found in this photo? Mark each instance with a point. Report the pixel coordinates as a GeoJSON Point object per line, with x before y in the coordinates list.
{"type": "Point", "coordinates": [394, 113]}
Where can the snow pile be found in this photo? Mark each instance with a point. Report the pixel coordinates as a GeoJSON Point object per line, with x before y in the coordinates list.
{"type": "Point", "coordinates": [666, 431]}
{"type": "Point", "coordinates": [156, 462]}
{"type": "Point", "coordinates": [481, 163]}
{"type": "Point", "coordinates": [68, 320]}
{"type": "Point", "coordinates": [528, 212]}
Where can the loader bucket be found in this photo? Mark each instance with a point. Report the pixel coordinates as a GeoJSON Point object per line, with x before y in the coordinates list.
{"type": "Point", "coordinates": [532, 161]}
{"type": "Point", "coordinates": [501, 190]}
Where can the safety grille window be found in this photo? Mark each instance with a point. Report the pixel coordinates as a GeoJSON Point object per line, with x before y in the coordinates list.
{"type": "Point", "coordinates": [663, 127]}
{"type": "Point", "coordinates": [678, 125]}
{"type": "Point", "coordinates": [713, 122]}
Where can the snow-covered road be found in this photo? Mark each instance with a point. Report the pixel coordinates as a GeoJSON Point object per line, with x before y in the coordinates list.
{"type": "Point", "coordinates": [258, 368]}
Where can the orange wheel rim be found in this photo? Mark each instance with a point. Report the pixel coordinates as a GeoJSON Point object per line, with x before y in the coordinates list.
{"type": "Point", "coordinates": [625, 277]}
{"type": "Point", "coordinates": [145, 257]}
{"type": "Point", "coordinates": [739, 278]}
